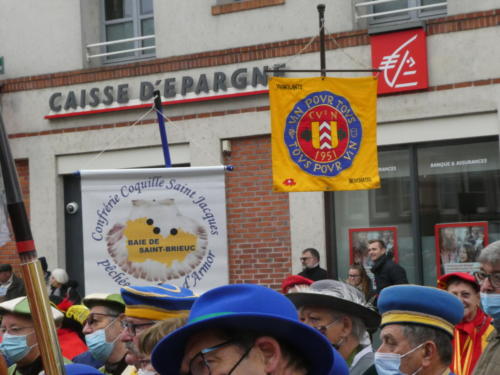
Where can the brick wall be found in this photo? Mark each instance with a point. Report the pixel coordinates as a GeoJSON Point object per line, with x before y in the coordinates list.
{"type": "Point", "coordinates": [244, 5]}
{"type": "Point", "coordinates": [258, 218]}
{"type": "Point", "coordinates": [8, 253]}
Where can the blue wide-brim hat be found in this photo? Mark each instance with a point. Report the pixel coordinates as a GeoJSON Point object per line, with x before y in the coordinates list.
{"type": "Point", "coordinates": [422, 305]}
{"type": "Point", "coordinates": [246, 307]}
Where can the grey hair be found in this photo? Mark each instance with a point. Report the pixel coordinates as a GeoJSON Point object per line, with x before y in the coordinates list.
{"type": "Point", "coordinates": [358, 328]}
{"type": "Point", "coordinates": [417, 334]}
{"type": "Point", "coordinates": [490, 254]}
{"type": "Point", "coordinates": [60, 275]}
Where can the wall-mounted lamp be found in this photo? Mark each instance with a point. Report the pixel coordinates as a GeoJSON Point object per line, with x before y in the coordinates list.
{"type": "Point", "coordinates": [226, 147]}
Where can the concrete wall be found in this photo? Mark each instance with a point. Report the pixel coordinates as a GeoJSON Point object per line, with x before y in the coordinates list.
{"type": "Point", "coordinates": [51, 36]}
{"type": "Point", "coordinates": [40, 37]}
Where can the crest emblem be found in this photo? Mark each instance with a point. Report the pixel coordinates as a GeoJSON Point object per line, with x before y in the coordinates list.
{"type": "Point", "coordinates": [323, 134]}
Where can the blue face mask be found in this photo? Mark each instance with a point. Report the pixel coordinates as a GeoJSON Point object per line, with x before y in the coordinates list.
{"type": "Point", "coordinates": [389, 363]}
{"type": "Point", "coordinates": [491, 304]}
{"type": "Point", "coordinates": [98, 346]}
{"type": "Point", "coordinates": [14, 348]}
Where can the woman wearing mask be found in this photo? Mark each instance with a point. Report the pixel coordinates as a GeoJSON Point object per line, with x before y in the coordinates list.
{"type": "Point", "coordinates": [469, 337]}
{"type": "Point", "coordinates": [19, 344]}
{"type": "Point", "coordinates": [340, 312]}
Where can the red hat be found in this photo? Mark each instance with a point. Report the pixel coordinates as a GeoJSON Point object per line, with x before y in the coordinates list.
{"type": "Point", "coordinates": [293, 280]}
{"type": "Point", "coordinates": [467, 277]}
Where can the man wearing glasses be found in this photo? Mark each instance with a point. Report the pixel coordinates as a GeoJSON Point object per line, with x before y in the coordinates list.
{"type": "Point", "coordinates": [146, 305]}
{"type": "Point", "coordinates": [488, 278]}
{"type": "Point", "coordinates": [19, 344]}
{"type": "Point", "coordinates": [244, 329]}
{"type": "Point", "coordinates": [102, 329]}
{"type": "Point", "coordinates": [310, 265]}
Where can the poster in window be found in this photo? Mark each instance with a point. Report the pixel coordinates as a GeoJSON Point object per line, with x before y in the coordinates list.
{"type": "Point", "coordinates": [458, 246]}
{"type": "Point", "coordinates": [358, 243]}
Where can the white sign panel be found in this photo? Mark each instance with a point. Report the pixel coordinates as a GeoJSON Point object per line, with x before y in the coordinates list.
{"type": "Point", "coordinates": [149, 226]}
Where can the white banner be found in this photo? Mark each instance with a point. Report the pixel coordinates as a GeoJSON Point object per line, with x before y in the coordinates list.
{"type": "Point", "coordinates": [147, 226]}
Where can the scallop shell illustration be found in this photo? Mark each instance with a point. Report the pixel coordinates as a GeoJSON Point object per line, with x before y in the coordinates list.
{"type": "Point", "coordinates": [157, 243]}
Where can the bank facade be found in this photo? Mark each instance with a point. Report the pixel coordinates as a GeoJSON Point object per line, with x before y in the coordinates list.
{"type": "Point", "coordinates": [71, 103]}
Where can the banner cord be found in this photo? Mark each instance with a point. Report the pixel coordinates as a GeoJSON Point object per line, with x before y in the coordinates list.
{"type": "Point", "coordinates": [291, 58]}
{"type": "Point", "coordinates": [342, 50]}
{"type": "Point", "coordinates": [118, 137]}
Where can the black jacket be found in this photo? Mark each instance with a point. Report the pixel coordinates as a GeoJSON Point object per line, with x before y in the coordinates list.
{"type": "Point", "coordinates": [388, 273]}
{"type": "Point", "coordinates": [16, 289]}
{"type": "Point", "coordinates": [67, 291]}
{"type": "Point", "coordinates": [315, 274]}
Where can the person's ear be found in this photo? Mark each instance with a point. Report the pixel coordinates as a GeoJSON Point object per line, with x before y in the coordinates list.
{"type": "Point", "coordinates": [346, 326]}
{"type": "Point", "coordinates": [270, 352]}
{"type": "Point", "coordinates": [430, 352]}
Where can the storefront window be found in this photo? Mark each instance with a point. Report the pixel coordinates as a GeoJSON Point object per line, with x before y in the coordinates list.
{"type": "Point", "coordinates": [380, 213]}
{"type": "Point", "coordinates": [458, 211]}
{"type": "Point", "coordinates": [458, 186]}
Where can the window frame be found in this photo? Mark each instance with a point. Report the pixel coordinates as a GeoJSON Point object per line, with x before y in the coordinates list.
{"type": "Point", "coordinates": [136, 18]}
{"type": "Point", "coordinates": [412, 16]}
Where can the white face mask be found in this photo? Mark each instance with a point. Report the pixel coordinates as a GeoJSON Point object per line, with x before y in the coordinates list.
{"type": "Point", "coordinates": [389, 363]}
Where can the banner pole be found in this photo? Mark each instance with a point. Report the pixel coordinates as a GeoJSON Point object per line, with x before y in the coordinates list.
{"type": "Point", "coordinates": [31, 268]}
{"type": "Point", "coordinates": [163, 132]}
{"type": "Point", "coordinates": [321, 12]}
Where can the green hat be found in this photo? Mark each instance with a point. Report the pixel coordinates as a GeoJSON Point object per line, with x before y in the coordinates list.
{"type": "Point", "coordinates": [105, 299]}
{"type": "Point", "coordinates": [21, 306]}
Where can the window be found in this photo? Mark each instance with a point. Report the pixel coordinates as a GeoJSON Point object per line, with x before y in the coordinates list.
{"type": "Point", "coordinates": [390, 12]}
{"type": "Point", "coordinates": [129, 23]}
{"type": "Point", "coordinates": [453, 181]}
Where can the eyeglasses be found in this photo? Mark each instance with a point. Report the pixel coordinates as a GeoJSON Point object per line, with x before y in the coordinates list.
{"type": "Point", "coordinates": [354, 276]}
{"type": "Point", "coordinates": [324, 328]}
{"type": "Point", "coordinates": [15, 331]}
{"type": "Point", "coordinates": [201, 365]}
{"type": "Point", "coordinates": [494, 278]}
{"type": "Point", "coordinates": [133, 329]}
{"type": "Point", "coordinates": [303, 259]}
{"type": "Point", "coordinates": [91, 320]}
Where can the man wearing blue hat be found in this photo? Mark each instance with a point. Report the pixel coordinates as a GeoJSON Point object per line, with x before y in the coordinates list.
{"type": "Point", "coordinates": [146, 305]}
{"type": "Point", "coordinates": [243, 329]}
{"type": "Point", "coordinates": [488, 278]}
{"type": "Point", "coordinates": [417, 330]}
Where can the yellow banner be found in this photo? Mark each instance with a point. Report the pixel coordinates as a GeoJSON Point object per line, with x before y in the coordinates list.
{"type": "Point", "coordinates": [324, 133]}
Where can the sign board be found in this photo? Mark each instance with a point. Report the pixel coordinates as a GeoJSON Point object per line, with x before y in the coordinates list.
{"type": "Point", "coordinates": [143, 226]}
{"type": "Point", "coordinates": [402, 57]}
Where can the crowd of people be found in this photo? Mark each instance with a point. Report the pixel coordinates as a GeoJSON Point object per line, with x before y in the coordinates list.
{"type": "Point", "coordinates": [318, 327]}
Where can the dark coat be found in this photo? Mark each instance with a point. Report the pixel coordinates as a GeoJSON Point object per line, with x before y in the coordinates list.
{"type": "Point", "coordinates": [68, 291]}
{"type": "Point", "coordinates": [388, 273]}
{"type": "Point", "coordinates": [16, 289]}
{"type": "Point", "coordinates": [315, 274]}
